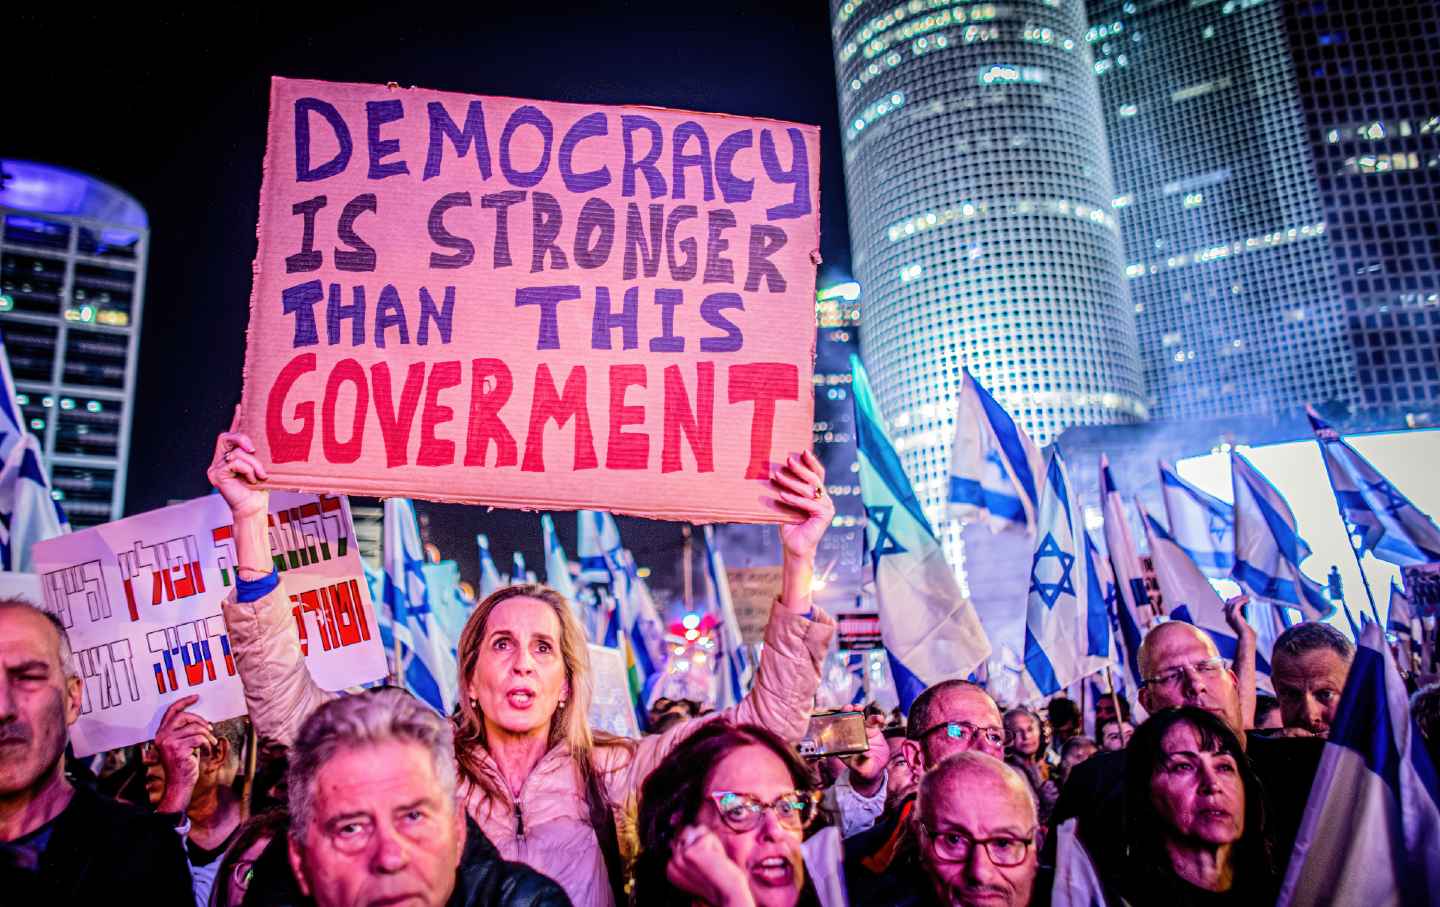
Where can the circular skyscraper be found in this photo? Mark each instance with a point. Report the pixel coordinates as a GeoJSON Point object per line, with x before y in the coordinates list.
{"type": "Point", "coordinates": [981, 224]}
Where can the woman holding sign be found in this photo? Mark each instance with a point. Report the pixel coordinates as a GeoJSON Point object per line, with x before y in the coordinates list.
{"type": "Point", "coordinates": [541, 784]}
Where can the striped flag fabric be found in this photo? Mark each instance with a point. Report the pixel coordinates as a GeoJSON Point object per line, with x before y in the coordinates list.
{"type": "Point", "coordinates": [1077, 884]}
{"type": "Point", "coordinates": [734, 665]}
{"type": "Point", "coordinates": [1201, 524]}
{"type": "Point", "coordinates": [427, 660]}
{"type": "Point", "coordinates": [930, 630]}
{"type": "Point", "coordinates": [1268, 549]}
{"type": "Point", "coordinates": [1371, 830]}
{"type": "Point", "coordinates": [995, 469]}
{"type": "Point", "coordinates": [29, 512]}
{"type": "Point", "coordinates": [1190, 597]}
{"type": "Point", "coordinates": [1132, 601]}
{"type": "Point", "coordinates": [490, 580]}
{"type": "Point", "coordinates": [1382, 521]}
{"type": "Point", "coordinates": [1057, 631]}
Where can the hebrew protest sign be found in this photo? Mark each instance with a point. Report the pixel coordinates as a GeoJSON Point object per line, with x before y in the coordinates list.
{"type": "Point", "coordinates": [531, 304]}
{"type": "Point", "coordinates": [140, 599]}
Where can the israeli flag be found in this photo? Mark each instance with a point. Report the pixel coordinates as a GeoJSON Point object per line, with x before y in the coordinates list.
{"type": "Point", "coordinates": [1268, 550]}
{"type": "Point", "coordinates": [1401, 613]}
{"type": "Point", "coordinates": [1056, 615]}
{"type": "Point", "coordinates": [930, 630]}
{"type": "Point", "coordinates": [604, 560]}
{"type": "Point", "coordinates": [1077, 884]}
{"type": "Point", "coordinates": [1129, 576]}
{"type": "Point", "coordinates": [427, 660]}
{"type": "Point", "coordinates": [29, 512]}
{"type": "Point", "coordinates": [598, 546]}
{"type": "Point", "coordinates": [734, 665]}
{"type": "Point", "coordinates": [1099, 596]}
{"type": "Point", "coordinates": [1381, 519]}
{"type": "Point", "coordinates": [1371, 830]}
{"type": "Point", "coordinates": [1190, 597]}
{"type": "Point", "coordinates": [995, 468]}
{"type": "Point", "coordinates": [447, 605]}
{"type": "Point", "coordinates": [518, 572]}
{"type": "Point", "coordinates": [490, 580]}
{"type": "Point", "coordinates": [1201, 524]}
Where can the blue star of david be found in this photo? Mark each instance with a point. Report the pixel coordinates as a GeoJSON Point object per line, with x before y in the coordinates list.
{"type": "Point", "coordinates": [1219, 527]}
{"type": "Point", "coordinates": [885, 541]}
{"type": "Point", "coordinates": [1050, 592]}
{"type": "Point", "coordinates": [1393, 502]}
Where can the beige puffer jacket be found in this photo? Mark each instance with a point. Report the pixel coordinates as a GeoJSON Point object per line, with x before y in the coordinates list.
{"type": "Point", "coordinates": [547, 826]}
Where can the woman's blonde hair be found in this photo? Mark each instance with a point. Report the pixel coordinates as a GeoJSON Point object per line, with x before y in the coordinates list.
{"type": "Point", "coordinates": [571, 722]}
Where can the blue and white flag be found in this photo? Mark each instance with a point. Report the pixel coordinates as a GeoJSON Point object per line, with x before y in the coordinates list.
{"type": "Point", "coordinates": [1401, 614]}
{"type": "Point", "coordinates": [1201, 524]}
{"type": "Point", "coordinates": [490, 580]}
{"type": "Point", "coordinates": [995, 468]}
{"type": "Point", "coordinates": [1190, 597]}
{"type": "Point", "coordinates": [518, 572]}
{"type": "Point", "coordinates": [734, 665]}
{"type": "Point", "coordinates": [1371, 830]}
{"type": "Point", "coordinates": [1057, 633]}
{"type": "Point", "coordinates": [598, 546]}
{"type": "Point", "coordinates": [29, 512]}
{"type": "Point", "coordinates": [427, 659]}
{"type": "Point", "coordinates": [1132, 603]}
{"type": "Point", "coordinates": [930, 630]}
{"type": "Point", "coordinates": [447, 605]}
{"type": "Point", "coordinates": [1381, 519]}
{"type": "Point", "coordinates": [1268, 549]}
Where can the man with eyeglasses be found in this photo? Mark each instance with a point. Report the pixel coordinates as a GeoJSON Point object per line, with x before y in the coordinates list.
{"type": "Point", "coordinates": [1180, 665]}
{"type": "Point", "coordinates": [953, 716]}
{"type": "Point", "coordinates": [977, 825]}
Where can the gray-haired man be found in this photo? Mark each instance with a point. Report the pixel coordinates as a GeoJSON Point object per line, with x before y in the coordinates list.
{"type": "Point", "coordinates": [373, 815]}
{"type": "Point", "coordinates": [60, 843]}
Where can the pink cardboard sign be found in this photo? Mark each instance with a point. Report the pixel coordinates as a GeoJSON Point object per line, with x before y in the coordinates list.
{"type": "Point", "coordinates": [531, 304]}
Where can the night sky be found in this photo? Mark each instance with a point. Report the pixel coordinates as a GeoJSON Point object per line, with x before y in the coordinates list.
{"type": "Point", "coordinates": [172, 109]}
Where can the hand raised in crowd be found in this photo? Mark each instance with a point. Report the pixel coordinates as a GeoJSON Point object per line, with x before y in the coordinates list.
{"type": "Point", "coordinates": [234, 470]}
{"type": "Point", "coordinates": [867, 770]}
{"type": "Point", "coordinates": [700, 866]}
{"type": "Point", "coordinates": [799, 483]}
{"type": "Point", "coordinates": [177, 742]}
{"type": "Point", "coordinates": [1235, 615]}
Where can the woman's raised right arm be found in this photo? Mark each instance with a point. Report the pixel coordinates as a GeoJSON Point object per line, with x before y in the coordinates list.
{"type": "Point", "coordinates": [279, 692]}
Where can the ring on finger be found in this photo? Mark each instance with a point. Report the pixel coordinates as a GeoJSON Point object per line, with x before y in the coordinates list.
{"type": "Point", "coordinates": [819, 490]}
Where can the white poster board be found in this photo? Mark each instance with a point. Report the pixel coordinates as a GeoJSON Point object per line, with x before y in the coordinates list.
{"type": "Point", "coordinates": [140, 598]}
{"type": "Point", "coordinates": [611, 709]}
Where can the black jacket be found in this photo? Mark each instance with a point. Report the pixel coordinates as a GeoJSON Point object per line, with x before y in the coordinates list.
{"type": "Point", "coordinates": [1095, 790]}
{"type": "Point", "coordinates": [484, 879]}
{"type": "Point", "coordinates": [101, 850]}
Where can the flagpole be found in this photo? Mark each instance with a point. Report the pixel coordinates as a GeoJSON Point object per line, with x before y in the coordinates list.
{"type": "Point", "coordinates": [1349, 536]}
{"type": "Point", "coordinates": [1114, 700]}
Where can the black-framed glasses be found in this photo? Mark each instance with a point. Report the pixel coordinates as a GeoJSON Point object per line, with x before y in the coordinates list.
{"type": "Point", "coordinates": [954, 846]}
{"type": "Point", "coordinates": [795, 809]}
{"type": "Point", "coordinates": [967, 733]}
{"type": "Point", "coordinates": [1206, 669]}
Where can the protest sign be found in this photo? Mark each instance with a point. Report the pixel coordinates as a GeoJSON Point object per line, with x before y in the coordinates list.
{"type": "Point", "coordinates": [611, 709]}
{"type": "Point", "coordinates": [531, 304]}
{"type": "Point", "coordinates": [753, 590]}
{"type": "Point", "coordinates": [140, 599]}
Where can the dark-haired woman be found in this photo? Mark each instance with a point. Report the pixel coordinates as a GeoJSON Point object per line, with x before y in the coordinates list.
{"type": "Point", "coordinates": [1194, 817]}
{"type": "Point", "coordinates": [721, 824]}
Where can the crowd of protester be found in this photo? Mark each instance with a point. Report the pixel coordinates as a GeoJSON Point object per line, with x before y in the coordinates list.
{"type": "Point", "coordinates": [373, 798]}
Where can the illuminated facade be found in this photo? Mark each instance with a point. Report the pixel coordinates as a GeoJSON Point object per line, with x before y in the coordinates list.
{"type": "Point", "coordinates": [72, 281]}
{"type": "Point", "coordinates": [1371, 102]}
{"type": "Point", "coordinates": [1236, 297]}
{"type": "Point", "coordinates": [840, 560]}
{"type": "Point", "coordinates": [979, 192]}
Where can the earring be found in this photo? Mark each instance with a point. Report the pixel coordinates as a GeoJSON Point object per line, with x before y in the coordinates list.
{"type": "Point", "coordinates": [560, 705]}
{"type": "Point", "coordinates": [474, 703]}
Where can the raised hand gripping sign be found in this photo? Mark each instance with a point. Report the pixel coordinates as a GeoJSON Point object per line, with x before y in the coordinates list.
{"type": "Point", "coordinates": [140, 600]}
{"type": "Point", "coordinates": [531, 304]}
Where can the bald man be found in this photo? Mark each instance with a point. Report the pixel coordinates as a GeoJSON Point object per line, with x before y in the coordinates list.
{"type": "Point", "coordinates": [977, 826]}
{"type": "Point", "coordinates": [1179, 665]}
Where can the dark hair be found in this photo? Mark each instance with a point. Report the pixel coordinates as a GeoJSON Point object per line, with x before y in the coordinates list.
{"type": "Point", "coordinates": [1425, 706]}
{"type": "Point", "coordinates": [672, 795]}
{"type": "Point", "coordinates": [1264, 705]}
{"type": "Point", "coordinates": [920, 720]}
{"type": "Point", "coordinates": [1144, 833]}
{"type": "Point", "coordinates": [271, 824]}
{"type": "Point", "coordinates": [1062, 712]}
{"type": "Point", "coordinates": [1310, 636]}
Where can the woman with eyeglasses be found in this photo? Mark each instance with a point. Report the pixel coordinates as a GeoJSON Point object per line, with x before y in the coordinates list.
{"type": "Point", "coordinates": [1194, 817]}
{"type": "Point", "coordinates": [722, 820]}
